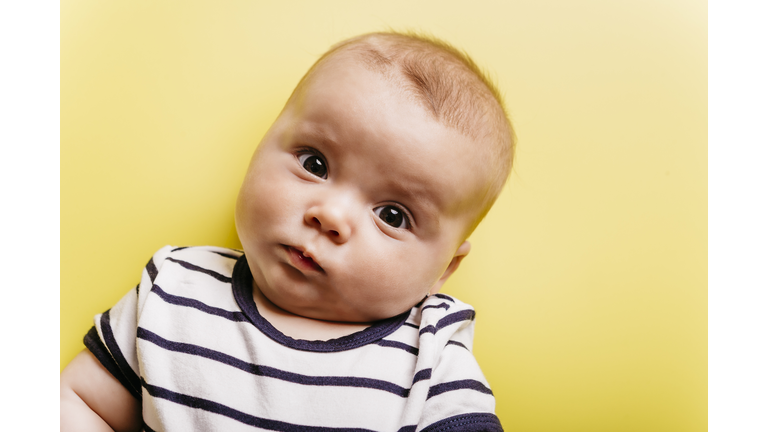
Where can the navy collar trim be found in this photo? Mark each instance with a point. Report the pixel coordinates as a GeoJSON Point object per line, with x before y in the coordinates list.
{"type": "Point", "coordinates": [243, 292]}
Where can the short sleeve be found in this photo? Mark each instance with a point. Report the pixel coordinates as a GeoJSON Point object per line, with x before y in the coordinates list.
{"type": "Point", "coordinates": [112, 339]}
{"type": "Point", "coordinates": [459, 397]}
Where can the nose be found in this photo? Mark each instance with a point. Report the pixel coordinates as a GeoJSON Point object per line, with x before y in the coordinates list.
{"type": "Point", "coordinates": [331, 218]}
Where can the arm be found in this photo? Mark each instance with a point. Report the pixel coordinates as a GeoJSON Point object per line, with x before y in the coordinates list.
{"type": "Point", "coordinates": [459, 397]}
{"type": "Point", "coordinates": [94, 400]}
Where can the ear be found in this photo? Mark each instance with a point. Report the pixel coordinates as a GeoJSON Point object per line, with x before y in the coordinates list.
{"type": "Point", "coordinates": [461, 252]}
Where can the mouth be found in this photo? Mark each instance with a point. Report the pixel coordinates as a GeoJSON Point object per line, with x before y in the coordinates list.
{"type": "Point", "coordinates": [302, 260]}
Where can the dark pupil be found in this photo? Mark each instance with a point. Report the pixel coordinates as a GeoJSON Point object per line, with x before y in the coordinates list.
{"type": "Point", "coordinates": [391, 216]}
{"type": "Point", "coordinates": [315, 165]}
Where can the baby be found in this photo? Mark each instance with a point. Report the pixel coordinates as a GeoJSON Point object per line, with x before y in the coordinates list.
{"type": "Point", "coordinates": [354, 211]}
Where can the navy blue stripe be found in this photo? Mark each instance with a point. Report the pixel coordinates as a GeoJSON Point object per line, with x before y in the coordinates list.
{"type": "Point", "coordinates": [448, 320]}
{"type": "Point", "coordinates": [179, 248]}
{"type": "Point", "coordinates": [227, 255]}
{"type": "Point", "coordinates": [395, 344]}
{"type": "Point", "coordinates": [444, 297]}
{"type": "Point", "coordinates": [468, 384]}
{"type": "Point", "coordinates": [146, 427]}
{"type": "Point", "coordinates": [442, 305]}
{"type": "Point", "coordinates": [411, 428]}
{"type": "Point", "coordinates": [217, 408]}
{"type": "Point", "coordinates": [196, 304]}
{"type": "Point", "coordinates": [411, 325]}
{"type": "Point", "coordinates": [151, 269]}
{"type": "Point", "coordinates": [190, 266]}
{"type": "Point", "coordinates": [270, 372]}
{"type": "Point", "coordinates": [428, 329]}
{"type": "Point", "coordinates": [117, 354]}
{"type": "Point", "coordinates": [97, 348]}
{"type": "Point", "coordinates": [451, 342]}
{"type": "Point", "coordinates": [137, 290]}
{"type": "Point", "coordinates": [422, 375]}
{"type": "Point", "coordinates": [456, 317]}
{"type": "Point", "coordinates": [472, 422]}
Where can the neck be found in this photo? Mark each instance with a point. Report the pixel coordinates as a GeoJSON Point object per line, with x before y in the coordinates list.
{"type": "Point", "coordinates": [299, 327]}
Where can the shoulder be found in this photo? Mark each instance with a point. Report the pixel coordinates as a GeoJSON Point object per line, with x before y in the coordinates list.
{"type": "Point", "coordinates": [193, 258]}
{"type": "Point", "coordinates": [199, 252]}
{"type": "Point", "coordinates": [445, 302]}
{"type": "Point", "coordinates": [442, 318]}
{"type": "Point", "coordinates": [442, 310]}
{"type": "Point", "coordinates": [457, 395]}
{"type": "Point", "coordinates": [172, 265]}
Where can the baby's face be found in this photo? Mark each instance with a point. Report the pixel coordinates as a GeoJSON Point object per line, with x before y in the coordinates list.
{"type": "Point", "coordinates": [357, 201]}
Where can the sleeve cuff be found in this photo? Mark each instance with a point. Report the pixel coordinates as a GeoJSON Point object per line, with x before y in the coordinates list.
{"type": "Point", "coordinates": [94, 344]}
{"type": "Point", "coordinates": [474, 422]}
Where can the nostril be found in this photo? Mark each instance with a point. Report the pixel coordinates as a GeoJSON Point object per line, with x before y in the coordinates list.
{"type": "Point", "coordinates": [316, 220]}
{"type": "Point", "coordinates": [335, 233]}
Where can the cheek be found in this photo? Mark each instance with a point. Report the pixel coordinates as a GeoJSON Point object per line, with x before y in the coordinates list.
{"type": "Point", "coordinates": [391, 273]}
{"type": "Point", "coordinates": [263, 201]}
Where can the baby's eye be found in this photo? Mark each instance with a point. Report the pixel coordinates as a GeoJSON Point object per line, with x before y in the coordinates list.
{"type": "Point", "coordinates": [392, 216]}
{"type": "Point", "coordinates": [314, 164]}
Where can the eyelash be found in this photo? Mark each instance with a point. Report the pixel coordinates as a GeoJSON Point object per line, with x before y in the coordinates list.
{"type": "Point", "coordinates": [405, 215]}
{"type": "Point", "coordinates": [308, 151]}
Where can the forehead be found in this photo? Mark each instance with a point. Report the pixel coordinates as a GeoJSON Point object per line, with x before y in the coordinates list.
{"type": "Point", "coordinates": [361, 113]}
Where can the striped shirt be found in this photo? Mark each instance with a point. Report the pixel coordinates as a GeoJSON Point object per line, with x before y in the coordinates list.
{"type": "Point", "coordinates": [190, 344]}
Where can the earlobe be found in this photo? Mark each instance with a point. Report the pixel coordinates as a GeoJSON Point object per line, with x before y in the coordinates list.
{"type": "Point", "coordinates": [461, 252]}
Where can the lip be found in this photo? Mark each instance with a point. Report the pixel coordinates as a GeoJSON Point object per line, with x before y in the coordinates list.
{"type": "Point", "coordinates": [302, 260]}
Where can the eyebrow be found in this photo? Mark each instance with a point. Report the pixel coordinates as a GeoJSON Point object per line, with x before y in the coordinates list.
{"type": "Point", "coordinates": [310, 131]}
{"type": "Point", "coordinates": [422, 204]}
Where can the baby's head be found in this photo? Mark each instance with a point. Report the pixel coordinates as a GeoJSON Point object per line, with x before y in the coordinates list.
{"type": "Point", "coordinates": [359, 199]}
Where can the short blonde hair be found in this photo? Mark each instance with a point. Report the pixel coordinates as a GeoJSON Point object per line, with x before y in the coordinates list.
{"type": "Point", "coordinates": [447, 83]}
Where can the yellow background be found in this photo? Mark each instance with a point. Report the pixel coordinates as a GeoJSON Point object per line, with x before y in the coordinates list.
{"type": "Point", "coordinates": [589, 275]}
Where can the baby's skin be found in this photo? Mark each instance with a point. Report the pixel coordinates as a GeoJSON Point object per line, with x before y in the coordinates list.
{"type": "Point", "coordinates": [356, 206]}
{"type": "Point", "coordinates": [357, 203]}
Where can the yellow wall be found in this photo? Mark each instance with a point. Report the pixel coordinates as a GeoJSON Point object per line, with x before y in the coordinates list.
{"type": "Point", "coordinates": [589, 275]}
